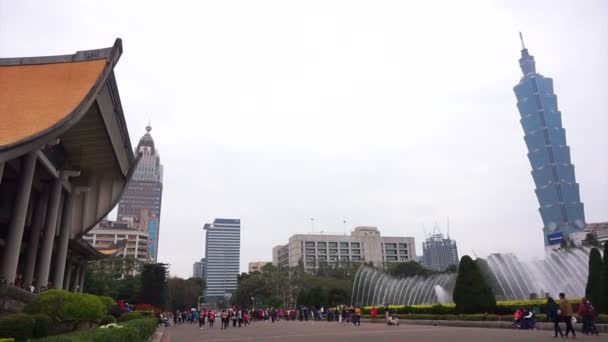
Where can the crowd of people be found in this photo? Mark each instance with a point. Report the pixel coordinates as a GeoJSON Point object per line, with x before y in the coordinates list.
{"type": "Point", "coordinates": [240, 317]}
{"type": "Point", "coordinates": [558, 312]}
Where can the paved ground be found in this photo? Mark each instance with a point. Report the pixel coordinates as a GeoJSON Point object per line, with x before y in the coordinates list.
{"type": "Point", "coordinates": [336, 332]}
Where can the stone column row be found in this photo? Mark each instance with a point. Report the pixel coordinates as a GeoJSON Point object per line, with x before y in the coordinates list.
{"type": "Point", "coordinates": [47, 218]}
{"type": "Point", "coordinates": [10, 257]}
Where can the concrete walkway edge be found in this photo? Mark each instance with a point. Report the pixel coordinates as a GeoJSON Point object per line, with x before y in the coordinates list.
{"type": "Point", "coordinates": [602, 328]}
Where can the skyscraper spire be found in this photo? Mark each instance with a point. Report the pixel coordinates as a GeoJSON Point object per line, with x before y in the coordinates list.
{"type": "Point", "coordinates": [526, 62]}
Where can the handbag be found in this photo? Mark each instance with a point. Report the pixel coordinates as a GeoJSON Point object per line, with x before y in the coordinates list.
{"type": "Point", "coordinates": [559, 312]}
{"type": "Point", "coordinates": [573, 319]}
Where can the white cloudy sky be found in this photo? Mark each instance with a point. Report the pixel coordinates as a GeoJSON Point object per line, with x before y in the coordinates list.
{"type": "Point", "coordinates": [387, 113]}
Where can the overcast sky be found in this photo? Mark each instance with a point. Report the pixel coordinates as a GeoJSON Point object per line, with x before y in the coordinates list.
{"type": "Point", "coordinates": [393, 114]}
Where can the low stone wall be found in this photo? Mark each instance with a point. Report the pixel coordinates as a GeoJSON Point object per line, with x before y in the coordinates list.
{"type": "Point", "coordinates": [602, 328]}
{"type": "Point", "coordinates": [13, 299]}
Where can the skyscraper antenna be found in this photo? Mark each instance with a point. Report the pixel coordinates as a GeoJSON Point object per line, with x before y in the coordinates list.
{"type": "Point", "coordinates": [521, 38]}
{"type": "Point", "coordinates": [448, 227]}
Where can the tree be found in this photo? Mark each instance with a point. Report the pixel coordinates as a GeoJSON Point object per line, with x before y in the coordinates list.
{"type": "Point", "coordinates": [183, 293]}
{"type": "Point", "coordinates": [594, 281]}
{"type": "Point", "coordinates": [603, 307]}
{"type": "Point", "coordinates": [407, 269]}
{"type": "Point", "coordinates": [490, 277]}
{"type": "Point", "coordinates": [154, 284]}
{"type": "Point", "coordinates": [471, 293]}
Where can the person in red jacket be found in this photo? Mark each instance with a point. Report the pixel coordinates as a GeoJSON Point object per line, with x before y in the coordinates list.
{"type": "Point", "coordinates": [373, 312]}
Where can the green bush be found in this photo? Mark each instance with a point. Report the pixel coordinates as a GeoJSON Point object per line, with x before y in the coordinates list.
{"type": "Point", "coordinates": [109, 302]}
{"type": "Point", "coordinates": [66, 306]}
{"type": "Point", "coordinates": [84, 307]}
{"type": "Point", "coordinates": [42, 325]}
{"type": "Point", "coordinates": [18, 326]}
{"type": "Point", "coordinates": [134, 331]}
{"type": "Point", "coordinates": [116, 311]}
{"type": "Point", "coordinates": [129, 316]}
{"type": "Point", "coordinates": [471, 292]}
{"type": "Point", "coordinates": [107, 320]}
{"type": "Point", "coordinates": [7, 339]}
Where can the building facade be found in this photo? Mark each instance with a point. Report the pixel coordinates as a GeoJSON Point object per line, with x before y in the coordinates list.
{"type": "Point", "coordinates": [141, 202]}
{"type": "Point", "coordinates": [364, 244]}
{"type": "Point", "coordinates": [280, 256]}
{"type": "Point", "coordinates": [199, 269]}
{"type": "Point", "coordinates": [256, 266]}
{"type": "Point", "coordinates": [121, 238]}
{"type": "Point", "coordinates": [222, 255]}
{"type": "Point", "coordinates": [439, 253]}
{"type": "Point", "coordinates": [557, 191]}
{"type": "Point", "coordinates": [599, 230]}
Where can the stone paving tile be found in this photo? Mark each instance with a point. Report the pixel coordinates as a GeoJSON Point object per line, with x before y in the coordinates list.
{"type": "Point", "coordinates": [336, 332]}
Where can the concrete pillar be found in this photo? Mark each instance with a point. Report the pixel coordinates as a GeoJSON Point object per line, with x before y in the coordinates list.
{"type": "Point", "coordinates": [77, 270]}
{"type": "Point", "coordinates": [64, 238]}
{"type": "Point", "coordinates": [83, 270]}
{"type": "Point", "coordinates": [68, 275]}
{"type": "Point", "coordinates": [44, 259]}
{"type": "Point", "coordinates": [10, 258]}
{"type": "Point", "coordinates": [32, 245]}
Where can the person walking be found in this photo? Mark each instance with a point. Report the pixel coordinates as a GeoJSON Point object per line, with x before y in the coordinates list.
{"type": "Point", "coordinates": [554, 315]}
{"type": "Point", "coordinates": [211, 316]}
{"type": "Point", "coordinates": [373, 312]}
{"type": "Point", "coordinates": [239, 317]}
{"type": "Point", "coordinates": [357, 316]}
{"type": "Point", "coordinates": [567, 314]}
{"type": "Point", "coordinates": [587, 313]}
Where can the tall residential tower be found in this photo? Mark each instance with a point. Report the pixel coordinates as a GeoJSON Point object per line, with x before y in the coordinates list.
{"type": "Point", "coordinates": [142, 199]}
{"type": "Point", "coordinates": [558, 195]}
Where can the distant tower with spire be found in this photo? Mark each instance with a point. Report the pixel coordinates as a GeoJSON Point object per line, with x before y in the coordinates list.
{"type": "Point", "coordinates": [557, 191]}
{"type": "Point", "coordinates": [141, 201]}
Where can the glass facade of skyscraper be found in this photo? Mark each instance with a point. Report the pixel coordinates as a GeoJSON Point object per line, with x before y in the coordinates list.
{"type": "Point", "coordinates": [557, 192]}
{"type": "Point", "coordinates": [222, 255]}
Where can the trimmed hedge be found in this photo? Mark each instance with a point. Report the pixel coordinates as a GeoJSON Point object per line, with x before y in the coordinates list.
{"type": "Point", "coordinates": [43, 325]}
{"type": "Point", "coordinates": [107, 320]}
{"type": "Point", "coordinates": [65, 306]}
{"type": "Point", "coordinates": [129, 316]}
{"type": "Point", "coordinates": [133, 331]}
{"type": "Point", "coordinates": [18, 326]}
{"type": "Point", "coordinates": [506, 307]}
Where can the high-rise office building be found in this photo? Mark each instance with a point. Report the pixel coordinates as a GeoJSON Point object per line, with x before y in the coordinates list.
{"type": "Point", "coordinates": [141, 201]}
{"type": "Point", "coordinates": [199, 269]}
{"type": "Point", "coordinates": [439, 253]}
{"type": "Point", "coordinates": [222, 255]}
{"type": "Point", "coordinates": [557, 192]}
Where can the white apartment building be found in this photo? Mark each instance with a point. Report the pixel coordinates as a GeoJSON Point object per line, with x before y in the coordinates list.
{"type": "Point", "coordinates": [363, 244]}
{"type": "Point", "coordinates": [119, 236]}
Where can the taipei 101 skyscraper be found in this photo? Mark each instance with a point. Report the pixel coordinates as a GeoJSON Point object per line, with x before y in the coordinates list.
{"type": "Point", "coordinates": [561, 209]}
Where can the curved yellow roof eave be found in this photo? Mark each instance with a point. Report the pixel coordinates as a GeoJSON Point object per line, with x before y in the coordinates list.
{"type": "Point", "coordinates": [36, 97]}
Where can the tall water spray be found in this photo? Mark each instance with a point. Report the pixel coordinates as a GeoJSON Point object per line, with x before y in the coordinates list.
{"type": "Point", "coordinates": [375, 287]}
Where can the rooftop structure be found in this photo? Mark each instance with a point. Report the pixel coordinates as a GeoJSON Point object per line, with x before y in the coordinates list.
{"type": "Point", "coordinates": [65, 158]}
